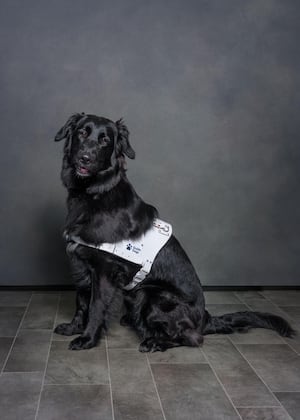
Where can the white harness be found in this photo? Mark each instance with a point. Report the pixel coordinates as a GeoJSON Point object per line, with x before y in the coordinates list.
{"type": "Point", "coordinates": [141, 251]}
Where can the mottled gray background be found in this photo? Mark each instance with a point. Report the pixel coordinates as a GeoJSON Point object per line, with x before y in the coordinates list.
{"type": "Point", "coordinates": [210, 92]}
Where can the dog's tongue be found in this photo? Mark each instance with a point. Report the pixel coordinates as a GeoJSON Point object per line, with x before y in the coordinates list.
{"type": "Point", "coordinates": [83, 170]}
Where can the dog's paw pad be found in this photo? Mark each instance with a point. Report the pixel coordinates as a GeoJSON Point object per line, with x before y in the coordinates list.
{"type": "Point", "coordinates": [64, 329]}
{"type": "Point", "coordinates": [81, 343]}
{"type": "Point", "coordinates": [144, 348]}
{"type": "Point", "coordinates": [152, 345]}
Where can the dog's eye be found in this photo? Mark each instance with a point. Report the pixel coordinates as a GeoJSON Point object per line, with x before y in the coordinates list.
{"type": "Point", "coordinates": [83, 133]}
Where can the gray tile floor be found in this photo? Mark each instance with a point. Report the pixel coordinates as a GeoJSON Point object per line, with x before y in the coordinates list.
{"type": "Point", "coordinates": [241, 376]}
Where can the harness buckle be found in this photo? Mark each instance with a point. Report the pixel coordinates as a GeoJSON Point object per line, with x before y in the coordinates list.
{"type": "Point", "coordinates": [137, 279]}
{"type": "Point", "coordinates": [140, 275]}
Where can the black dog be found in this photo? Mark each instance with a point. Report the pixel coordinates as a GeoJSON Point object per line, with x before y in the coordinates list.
{"type": "Point", "coordinates": [167, 309]}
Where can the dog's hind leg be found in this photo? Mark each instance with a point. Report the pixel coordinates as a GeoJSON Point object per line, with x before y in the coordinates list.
{"type": "Point", "coordinates": [171, 329]}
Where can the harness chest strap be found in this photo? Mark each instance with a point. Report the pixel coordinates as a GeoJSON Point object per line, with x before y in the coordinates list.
{"type": "Point", "coordinates": [141, 251]}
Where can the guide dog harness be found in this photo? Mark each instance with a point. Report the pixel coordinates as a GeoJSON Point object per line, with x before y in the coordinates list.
{"type": "Point", "coordinates": [141, 251]}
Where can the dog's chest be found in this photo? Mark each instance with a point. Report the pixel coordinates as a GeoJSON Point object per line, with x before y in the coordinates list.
{"type": "Point", "coordinates": [88, 217]}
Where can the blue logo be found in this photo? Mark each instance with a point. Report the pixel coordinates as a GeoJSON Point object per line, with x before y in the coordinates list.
{"type": "Point", "coordinates": [133, 248]}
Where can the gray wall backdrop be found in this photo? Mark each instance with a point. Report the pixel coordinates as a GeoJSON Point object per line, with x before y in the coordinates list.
{"type": "Point", "coordinates": [210, 92]}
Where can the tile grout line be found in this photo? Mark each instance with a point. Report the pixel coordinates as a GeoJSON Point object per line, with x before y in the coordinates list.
{"type": "Point", "coordinates": [77, 384]}
{"type": "Point", "coordinates": [178, 363]}
{"type": "Point", "coordinates": [155, 387]}
{"type": "Point", "coordinates": [254, 370]}
{"type": "Point", "coordinates": [257, 406]}
{"type": "Point", "coordinates": [285, 392]}
{"type": "Point", "coordinates": [47, 358]}
{"type": "Point", "coordinates": [17, 332]}
{"type": "Point", "coordinates": [109, 380]}
{"type": "Point", "coordinates": [222, 386]}
{"type": "Point", "coordinates": [9, 336]}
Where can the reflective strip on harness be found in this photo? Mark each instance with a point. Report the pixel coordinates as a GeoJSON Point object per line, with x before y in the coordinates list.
{"type": "Point", "coordinates": [141, 251]}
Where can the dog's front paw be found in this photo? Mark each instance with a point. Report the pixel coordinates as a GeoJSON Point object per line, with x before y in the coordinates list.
{"type": "Point", "coordinates": [82, 343]}
{"type": "Point", "coordinates": [68, 329]}
{"type": "Point", "coordinates": [152, 345]}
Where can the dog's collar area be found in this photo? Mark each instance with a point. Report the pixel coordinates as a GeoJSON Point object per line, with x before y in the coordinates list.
{"type": "Point", "coordinates": [141, 251]}
{"type": "Point", "coordinates": [103, 187]}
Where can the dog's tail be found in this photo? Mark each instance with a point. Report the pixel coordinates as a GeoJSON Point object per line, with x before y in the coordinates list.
{"type": "Point", "coordinates": [243, 321]}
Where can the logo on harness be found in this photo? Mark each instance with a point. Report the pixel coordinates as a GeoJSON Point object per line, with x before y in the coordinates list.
{"type": "Point", "coordinates": [133, 248]}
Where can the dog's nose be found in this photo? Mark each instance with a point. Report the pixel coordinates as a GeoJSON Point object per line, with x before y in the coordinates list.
{"type": "Point", "coordinates": [85, 159]}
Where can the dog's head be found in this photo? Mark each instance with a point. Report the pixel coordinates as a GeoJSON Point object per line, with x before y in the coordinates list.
{"type": "Point", "coordinates": [94, 151]}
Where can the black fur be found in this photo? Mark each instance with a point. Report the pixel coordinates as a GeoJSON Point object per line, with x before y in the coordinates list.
{"type": "Point", "coordinates": [168, 308]}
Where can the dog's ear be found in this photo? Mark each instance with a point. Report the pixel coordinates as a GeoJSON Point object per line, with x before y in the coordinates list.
{"type": "Point", "coordinates": [123, 145]}
{"type": "Point", "coordinates": [65, 133]}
